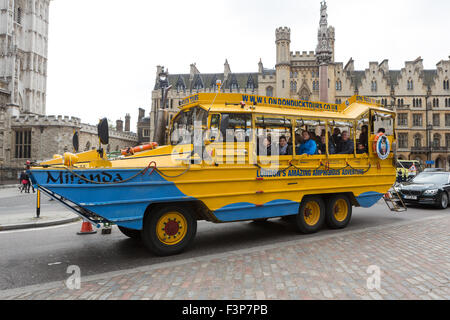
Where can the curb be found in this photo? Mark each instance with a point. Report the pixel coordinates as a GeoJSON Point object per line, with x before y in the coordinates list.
{"type": "Point", "coordinates": [8, 186]}
{"type": "Point", "coordinates": [37, 224]}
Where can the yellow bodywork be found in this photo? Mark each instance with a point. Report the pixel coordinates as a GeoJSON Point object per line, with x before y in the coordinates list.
{"type": "Point", "coordinates": [218, 185]}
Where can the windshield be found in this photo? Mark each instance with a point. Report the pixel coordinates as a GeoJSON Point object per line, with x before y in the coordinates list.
{"type": "Point", "coordinates": [182, 131]}
{"type": "Point", "coordinates": [432, 178]}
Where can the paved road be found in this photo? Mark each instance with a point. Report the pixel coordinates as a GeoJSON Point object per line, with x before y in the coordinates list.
{"type": "Point", "coordinates": [38, 256]}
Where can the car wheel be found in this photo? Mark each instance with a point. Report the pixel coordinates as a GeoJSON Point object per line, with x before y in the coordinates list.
{"type": "Point", "coordinates": [443, 203]}
{"type": "Point", "coordinates": [169, 230]}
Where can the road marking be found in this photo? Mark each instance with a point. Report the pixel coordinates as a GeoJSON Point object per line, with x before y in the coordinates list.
{"type": "Point", "coordinates": [54, 263]}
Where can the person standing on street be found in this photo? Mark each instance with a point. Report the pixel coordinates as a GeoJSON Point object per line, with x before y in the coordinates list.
{"type": "Point", "coordinates": [24, 179]}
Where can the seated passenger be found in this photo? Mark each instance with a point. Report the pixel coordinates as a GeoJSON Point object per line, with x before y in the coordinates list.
{"type": "Point", "coordinates": [264, 145]}
{"type": "Point", "coordinates": [361, 149]}
{"type": "Point", "coordinates": [308, 146]}
{"type": "Point", "coordinates": [364, 136]}
{"type": "Point", "coordinates": [268, 145]}
{"type": "Point", "coordinates": [346, 145]}
{"type": "Point", "coordinates": [323, 146]}
{"type": "Point", "coordinates": [336, 137]}
{"type": "Point", "coordinates": [283, 146]}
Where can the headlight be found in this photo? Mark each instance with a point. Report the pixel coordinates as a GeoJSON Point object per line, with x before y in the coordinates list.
{"type": "Point", "coordinates": [431, 192]}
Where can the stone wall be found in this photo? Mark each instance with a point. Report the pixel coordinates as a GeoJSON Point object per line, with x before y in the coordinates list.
{"type": "Point", "coordinates": [53, 135]}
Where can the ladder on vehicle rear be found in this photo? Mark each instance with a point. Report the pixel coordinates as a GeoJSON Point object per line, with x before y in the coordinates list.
{"type": "Point", "coordinates": [394, 201]}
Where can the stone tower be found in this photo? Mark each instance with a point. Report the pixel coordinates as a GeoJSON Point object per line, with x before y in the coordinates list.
{"type": "Point", "coordinates": [23, 53]}
{"type": "Point", "coordinates": [283, 66]}
{"type": "Point", "coordinates": [127, 122]}
{"type": "Point", "coordinates": [324, 51]}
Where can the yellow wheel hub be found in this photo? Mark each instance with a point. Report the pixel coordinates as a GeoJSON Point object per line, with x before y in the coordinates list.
{"type": "Point", "coordinates": [340, 210]}
{"type": "Point", "coordinates": [311, 213]}
{"type": "Point", "coordinates": [171, 228]}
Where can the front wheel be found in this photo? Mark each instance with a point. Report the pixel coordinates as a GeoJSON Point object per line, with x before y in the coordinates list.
{"type": "Point", "coordinates": [169, 230]}
{"type": "Point", "coordinates": [339, 212]}
{"type": "Point", "coordinates": [443, 203]}
{"type": "Point", "coordinates": [311, 214]}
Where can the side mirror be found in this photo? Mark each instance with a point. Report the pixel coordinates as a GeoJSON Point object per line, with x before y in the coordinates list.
{"type": "Point", "coordinates": [75, 141]}
{"type": "Point", "coordinates": [103, 131]}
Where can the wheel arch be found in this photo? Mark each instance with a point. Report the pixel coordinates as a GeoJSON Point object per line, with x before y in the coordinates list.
{"type": "Point", "coordinates": [200, 210]}
{"type": "Point", "coordinates": [326, 196]}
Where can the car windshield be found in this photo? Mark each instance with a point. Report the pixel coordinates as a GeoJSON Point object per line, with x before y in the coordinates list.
{"type": "Point", "coordinates": [434, 178]}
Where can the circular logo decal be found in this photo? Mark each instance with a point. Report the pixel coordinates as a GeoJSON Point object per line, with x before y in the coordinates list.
{"type": "Point", "coordinates": [383, 147]}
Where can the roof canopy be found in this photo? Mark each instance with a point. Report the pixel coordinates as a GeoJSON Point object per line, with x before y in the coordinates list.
{"type": "Point", "coordinates": [353, 108]}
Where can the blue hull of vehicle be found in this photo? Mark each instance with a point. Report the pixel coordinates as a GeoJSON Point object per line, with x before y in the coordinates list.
{"type": "Point", "coordinates": [123, 203]}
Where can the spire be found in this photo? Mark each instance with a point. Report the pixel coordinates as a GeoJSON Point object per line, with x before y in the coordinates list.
{"type": "Point", "coordinates": [324, 50]}
{"type": "Point", "coordinates": [323, 14]}
{"type": "Point", "coordinates": [260, 66]}
{"type": "Point", "coordinates": [226, 69]}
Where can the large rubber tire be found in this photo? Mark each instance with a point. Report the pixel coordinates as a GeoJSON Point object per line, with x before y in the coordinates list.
{"type": "Point", "coordinates": [443, 200]}
{"type": "Point", "coordinates": [130, 233]}
{"type": "Point", "coordinates": [311, 215]}
{"type": "Point", "coordinates": [339, 212]}
{"type": "Point", "coordinates": [161, 238]}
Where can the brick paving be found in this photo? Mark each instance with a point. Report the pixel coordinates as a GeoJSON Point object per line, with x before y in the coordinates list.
{"type": "Point", "coordinates": [414, 262]}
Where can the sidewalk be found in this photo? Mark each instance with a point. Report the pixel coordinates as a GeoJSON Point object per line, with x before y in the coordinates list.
{"type": "Point", "coordinates": [413, 259]}
{"type": "Point", "coordinates": [18, 211]}
{"type": "Point", "coordinates": [26, 220]}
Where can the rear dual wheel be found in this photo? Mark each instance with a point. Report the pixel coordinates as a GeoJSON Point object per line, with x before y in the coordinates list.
{"type": "Point", "coordinates": [169, 230]}
{"type": "Point", "coordinates": [311, 214]}
{"type": "Point", "coordinates": [339, 212]}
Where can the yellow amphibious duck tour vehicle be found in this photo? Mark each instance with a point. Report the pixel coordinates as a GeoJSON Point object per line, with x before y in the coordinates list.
{"type": "Point", "coordinates": [235, 157]}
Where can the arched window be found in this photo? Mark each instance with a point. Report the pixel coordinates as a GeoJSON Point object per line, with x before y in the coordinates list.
{"type": "Point", "coordinates": [436, 140]}
{"type": "Point", "coordinates": [304, 94]}
{"type": "Point", "coordinates": [88, 146]}
{"type": "Point", "coordinates": [293, 86]}
{"type": "Point", "coordinates": [437, 102]}
{"type": "Point", "coordinates": [438, 163]}
{"type": "Point", "coordinates": [417, 141]}
{"type": "Point", "coordinates": [374, 85]}
{"type": "Point", "coordinates": [19, 15]}
{"type": "Point", "coordinates": [269, 91]}
{"type": "Point", "coordinates": [410, 85]}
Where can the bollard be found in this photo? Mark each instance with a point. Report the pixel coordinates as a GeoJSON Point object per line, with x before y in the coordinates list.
{"type": "Point", "coordinates": [38, 203]}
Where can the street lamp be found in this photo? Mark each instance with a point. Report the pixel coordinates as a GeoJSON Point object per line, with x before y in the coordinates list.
{"type": "Point", "coordinates": [161, 115]}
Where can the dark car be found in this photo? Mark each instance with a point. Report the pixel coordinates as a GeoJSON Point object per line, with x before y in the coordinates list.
{"type": "Point", "coordinates": [431, 188]}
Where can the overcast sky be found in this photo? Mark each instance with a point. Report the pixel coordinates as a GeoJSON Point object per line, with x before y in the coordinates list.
{"type": "Point", "coordinates": [103, 53]}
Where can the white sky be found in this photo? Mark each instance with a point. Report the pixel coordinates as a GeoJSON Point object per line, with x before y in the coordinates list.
{"type": "Point", "coordinates": [103, 53]}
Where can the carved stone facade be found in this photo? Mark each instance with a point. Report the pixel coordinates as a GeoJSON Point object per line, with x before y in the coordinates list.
{"type": "Point", "coordinates": [420, 96]}
{"type": "Point", "coordinates": [25, 132]}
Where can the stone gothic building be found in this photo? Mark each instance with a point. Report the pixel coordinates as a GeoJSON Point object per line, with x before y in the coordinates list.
{"type": "Point", "coordinates": [421, 97]}
{"type": "Point", "coordinates": [25, 130]}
